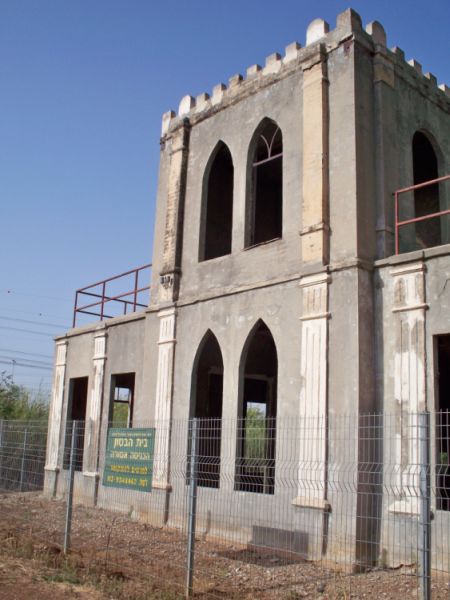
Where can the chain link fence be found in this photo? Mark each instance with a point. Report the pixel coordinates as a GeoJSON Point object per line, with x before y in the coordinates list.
{"type": "Point", "coordinates": [335, 507]}
{"type": "Point", "coordinates": [22, 455]}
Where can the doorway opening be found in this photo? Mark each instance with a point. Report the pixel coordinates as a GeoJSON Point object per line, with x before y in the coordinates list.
{"type": "Point", "coordinates": [76, 411]}
{"type": "Point", "coordinates": [255, 468]}
{"type": "Point", "coordinates": [443, 422]}
{"type": "Point", "coordinates": [207, 382]}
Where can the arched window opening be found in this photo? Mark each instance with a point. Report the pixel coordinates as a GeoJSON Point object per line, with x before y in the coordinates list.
{"type": "Point", "coordinates": [207, 382]}
{"type": "Point", "coordinates": [426, 200]}
{"type": "Point", "coordinates": [255, 468]}
{"type": "Point", "coordinates": [218, 205]}
{"type": "Point", "coordinates": [265, 201]}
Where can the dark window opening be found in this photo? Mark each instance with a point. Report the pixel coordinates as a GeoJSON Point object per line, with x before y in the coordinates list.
{"type": "Point", "coordinates": [218, 210]}
{"type": "Point", "coordinates": [443, 423]}
{"type": "Point", "coordinates": [78, 391]}
{"type": "Point", "coordinates": [426, 200]}
{"type": "Point", "coordinates": [122, 399]}
{"type": "Point", "coordinates": [265, 202]}
{"type": "Point", "coordinates": [255, 468]}
{"type": "Point", "coordinates": [208, 386]}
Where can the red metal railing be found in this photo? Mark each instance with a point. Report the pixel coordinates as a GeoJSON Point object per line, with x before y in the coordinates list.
{"type": "Point", "coordinates": [401, 223]}
{"type": "Point", "coordinates": [99, 290]}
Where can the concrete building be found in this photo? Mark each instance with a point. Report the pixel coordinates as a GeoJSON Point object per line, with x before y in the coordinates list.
{"type": "Point", "coordinates": [281, 277]}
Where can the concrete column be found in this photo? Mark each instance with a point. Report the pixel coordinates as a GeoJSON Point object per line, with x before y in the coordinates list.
{"type": "Point", "coordinates": [385, 136]}
{"type": "Point", "coordinates": [94, 408]}
{"type": "Point", "coordinates": [54, 431]}
{"type": "Point", "coordinates": [173, 233]}
{"type": "Point", "coordinates": [409, 379]}
{"type": "Point", "coordinates": [315, 221]}
{"type": "Point", "coordinates": [164, 393]}
{"type": "Point", "coordinates": [313, 392]}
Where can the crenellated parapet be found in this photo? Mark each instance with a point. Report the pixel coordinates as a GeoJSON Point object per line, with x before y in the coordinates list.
{"type": "Point", "coordinates": [319, 40]}
{"type": "Point", "coordinates": [412, 71]}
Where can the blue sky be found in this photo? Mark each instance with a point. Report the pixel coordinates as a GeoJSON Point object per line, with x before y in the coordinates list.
{"type": "Point", "coordinates": [84, 85]}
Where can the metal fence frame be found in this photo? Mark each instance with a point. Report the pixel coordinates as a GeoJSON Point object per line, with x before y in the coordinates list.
{"type": "Point", "coordinates": [364, 504]}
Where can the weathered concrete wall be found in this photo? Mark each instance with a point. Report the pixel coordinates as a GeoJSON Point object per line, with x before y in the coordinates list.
{"type": "Point", "coordinates": [98, 352]}
{"type": "Point", "coordinates": [266, 262]}
{"type": "Point", "coordinates": [408, 317]}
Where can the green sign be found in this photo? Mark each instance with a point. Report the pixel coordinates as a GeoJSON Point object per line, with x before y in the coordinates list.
{"type": "Point", "coordinates": [129, 459]}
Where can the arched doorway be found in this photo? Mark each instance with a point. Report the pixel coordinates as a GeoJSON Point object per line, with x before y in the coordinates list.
{"type": "Point", "coordinates": [255, 467]}
{"type": "Point", "coordinates": [206, 406]}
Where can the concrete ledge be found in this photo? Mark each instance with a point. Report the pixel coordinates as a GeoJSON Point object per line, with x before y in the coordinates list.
{"type": "Point", "coordinates": [405, 507]}
{"type": "Point", "coordinates": [407, 307]}
{"type": "Point", "coordinates": [416, 255]}
{"type": "Point", "coordinates": [324, 315]}
{"type": "Point", "coordinates": [102, 325]}
{"type": "Point", "coordinates": [94, 474]}
{"type": "Point", "coordinates": [161, 485]}
{"type": "Point", "coordinates": [52, 468]}
{"type": "Point", "coordinates": [317, 503]}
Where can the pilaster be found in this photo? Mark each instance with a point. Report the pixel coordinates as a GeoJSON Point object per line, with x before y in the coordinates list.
{"type": "Point", "coordinates": [54, 433]}
{"type": "Point", "coordinates": [313, 393]}
{"type": "Point", "coordinates": [94, 408]}
{"type": "Point", "coordinates": [315, 219]}
{"type": "Point", "coordinates": [173, 232]}
{"type": "Point", "coordinates": [409, 308]}
{"type": "Point", "coordinates": [385, 140]}
{"type": "Point", "coordinates": [164, 393]}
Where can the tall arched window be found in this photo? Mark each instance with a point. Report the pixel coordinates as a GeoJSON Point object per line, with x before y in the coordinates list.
{"type": "Point", "coordinates": [426, 200]}
{"type": "Point", "coordinates": [255, 467]}
{"type": "Point", "coordinates": [217, 213]}
{"type": "Point", "coordinates": [265, 192]}
{"type": "Point", "coordinates": [206, 406]}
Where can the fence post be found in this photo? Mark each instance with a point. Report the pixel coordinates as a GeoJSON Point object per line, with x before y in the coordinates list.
{"type": "Point", "coordinates": [68, 525]}
{"type": "Point", "coordinates": [22, 464]}
{"type": "Point", "coordinates": [192, 514]}
{"type": "Point", "coordinates": [425, 507]}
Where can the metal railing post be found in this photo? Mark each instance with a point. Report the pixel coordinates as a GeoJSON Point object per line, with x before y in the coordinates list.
{"type": "Point", "coordinates": [68, 524]}
{"type": "Point", "coordinates": [102, 310]}
{"type": "Point", "coordinates": [192, 514]}
{"type": "Point", "coordinates": [75, 308]}
{"type": "Point", "coordinates": [136, 287]}
{"type": "Point", "coordinates": [397, 245]}
{"type": "Point", "coordinates": [425, 507]}
{"type": "Point", "coordinates": [22, 463]}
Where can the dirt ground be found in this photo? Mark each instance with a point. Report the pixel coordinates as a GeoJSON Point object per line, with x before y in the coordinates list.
{"type": "Point", "coordinates": [116, 558]}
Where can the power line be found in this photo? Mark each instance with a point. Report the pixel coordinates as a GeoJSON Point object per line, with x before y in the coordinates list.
{"type": "Point", "coordinates": [27, 353]}
{"type": "Point", "coordinates": [34, 295]}
{"type": "Point", "coordinates": [35, 379]}
{"type": "Point", "coordinates": [19, 364]}
{"type": "Point", "coordinates": [31, 312]}
{"type": "Point", "coordinates": [58, 325]}
{"type": "Point", "coordinates": [46, 334]}
{"type": "Point", "coordinates": [27, 360]}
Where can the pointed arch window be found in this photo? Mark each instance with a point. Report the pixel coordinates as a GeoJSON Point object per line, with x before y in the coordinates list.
{"type": "Point", "coordinates": [217, 205]}
{"type": "Point", "coordinates": [206, 407]}
{"type": "Point", "coordinates": [426, 199]}
{"type": "Point", "coordinates": [265, 194]}
{"type": "Point", "coordinates": [255, 466]}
